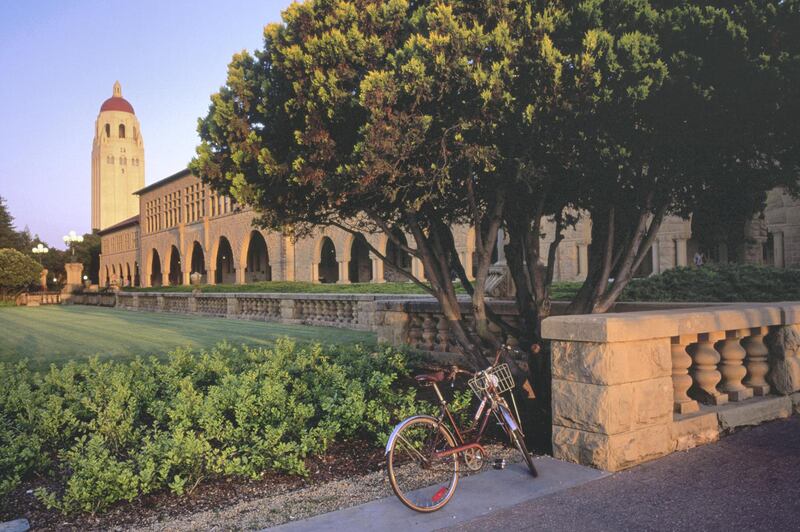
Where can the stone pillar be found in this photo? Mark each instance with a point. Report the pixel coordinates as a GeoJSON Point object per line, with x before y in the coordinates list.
{"type": "Point", "coordinates": [211, 276]}
{"type": "Point", "coordinates": [680, 252]}
{"type": "Point", "coordinates": [777, 244]}
{"type": "Point", "coordinates": [74, 279]}
{"type": "Point", "coordinates": [656, 255]}
{"type": "Point", "coordinates": [681, 380]}
{"type": "Point", "coordinates": [784, 359]}
{"type": "Point", "coordinates": [344, 277]}
{"type": "Point", "coordinates": [186, 280]}
{"type": "Point", "coordinates": [732, 367]}
{"type": "Point", "coordinates": [377, 270]}
{"type": "Point", "coordinates": [164, 278]}
{"type": "Point", "coordinates": [705, 376]}
{"type": "Point", "coordinates": [241, 273]}
{"type": "Point", "coordinates": [583, 260]}
{"type": "Point", "coordinates": [43, 279]}
{"type": "Point", "coordinates": [314, 272]}
{"type": "Point", "coordinates": [418, 270]}
{"type": "Point", "coordinates": [501, 248]}
{"type": "Point", "coordinates": [756, 361]}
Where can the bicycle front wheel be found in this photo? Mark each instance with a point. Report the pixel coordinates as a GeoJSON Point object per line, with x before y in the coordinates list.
{"type": "Point", "coordinates": [519, 441]}
{"type": "Point", "coordinates": [422, 480]}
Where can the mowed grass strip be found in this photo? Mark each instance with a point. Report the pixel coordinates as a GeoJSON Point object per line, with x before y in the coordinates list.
{"type": "Point", "coordinates": [56, 334]}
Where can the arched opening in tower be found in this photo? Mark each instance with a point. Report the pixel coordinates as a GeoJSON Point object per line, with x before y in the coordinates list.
{"type": "Point", "coordinates": [328, 266]}
{"type": "Point", "coordinates": [199, 262]}
{"type": "Point", "coordinates": [225, 273]}
{"type": "Point", "coordinates": [155, 270]}
{"type": "Point", "coordinates": [175, 267]}
{"type": "Point", "coordinates": [258, 267]}
{"type": "Point", "coordinates": [360, 265]}
{"type": "Point", "coordinates": [397, 257]}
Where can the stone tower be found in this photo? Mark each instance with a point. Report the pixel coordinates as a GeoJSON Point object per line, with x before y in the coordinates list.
{"type": "Point", "coordinates": [117, 162]}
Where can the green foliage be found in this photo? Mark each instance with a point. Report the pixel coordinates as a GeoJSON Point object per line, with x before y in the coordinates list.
{"type": "Point", "coordinates": [718, 282]}
{"type": "Point", "coordinates": [17, 272]}
{"type": "Point", "coordinates": [9, 236]}
{"type": "Point", "coordinates": [116, 431]}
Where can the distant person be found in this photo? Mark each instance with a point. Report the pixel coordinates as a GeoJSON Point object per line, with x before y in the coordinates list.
{"type": "Point", "coordinates": [699, 259]}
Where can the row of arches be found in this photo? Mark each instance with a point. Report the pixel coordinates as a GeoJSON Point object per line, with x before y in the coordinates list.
{"type": "Point", "coordinates": [124, 274]}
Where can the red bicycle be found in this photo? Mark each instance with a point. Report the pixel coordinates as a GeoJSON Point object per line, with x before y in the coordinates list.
{"type": "Point", "coordinates": [423, 456]}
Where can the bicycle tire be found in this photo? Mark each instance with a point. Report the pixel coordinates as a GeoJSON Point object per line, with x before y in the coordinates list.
{"type": "Point", "coordinates": [408, 480]}
{"type": "Point", "coordinates": [519, 441]}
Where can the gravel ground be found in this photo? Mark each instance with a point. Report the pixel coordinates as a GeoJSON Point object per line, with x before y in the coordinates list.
{"type": "Point", "coordinates": [299, 504]}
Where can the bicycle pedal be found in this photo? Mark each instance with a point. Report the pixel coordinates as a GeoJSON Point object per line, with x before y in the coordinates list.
{"type": "Point", "coordinates": [500, 463]}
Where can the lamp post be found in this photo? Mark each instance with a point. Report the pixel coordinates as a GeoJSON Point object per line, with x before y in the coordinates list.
{"type": "Point", "coordinates": [40, 250]}
{"type": "Point", "coordinates": [70, 239]}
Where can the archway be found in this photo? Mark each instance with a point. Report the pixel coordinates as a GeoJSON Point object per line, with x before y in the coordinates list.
{"type": "Point", "coordinates": [136, 280]}
{"type": "Point", "coordinates": [107, 280]}
{"type": "Point", "coordinates": [360, 265]}
{"type": "Point", "coordinates": [199, 261]}
{"type": "Point", "coordinates": [155, 270]}
{"type": "Point", "coordinates": [121, 275]}
{"type": "Point", "coordinates": [128, 278]}
{"type": "Point", "coordinates": [225, 273]}
{"type": "Point", "coordinates": [397, 257]}
{"type": "Point", "coordinates": [175, 267]}
{"type": "Point", "coordinates": [328, 266]}
{"type": "Point", "coordinates": [258, 267]}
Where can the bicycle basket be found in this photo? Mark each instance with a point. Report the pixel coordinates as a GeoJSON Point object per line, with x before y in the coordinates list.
{"type": "Point", "coordinates": [500, 375]}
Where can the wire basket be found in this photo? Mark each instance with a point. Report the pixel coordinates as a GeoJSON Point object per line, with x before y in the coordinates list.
{"type": "Point", "coordinates": [499, 375]}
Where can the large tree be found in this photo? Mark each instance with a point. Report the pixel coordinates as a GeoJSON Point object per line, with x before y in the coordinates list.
{"type": "Point", "coordinates": [397, 115]}
{"type": "Point", "coordinates": [17, 272]}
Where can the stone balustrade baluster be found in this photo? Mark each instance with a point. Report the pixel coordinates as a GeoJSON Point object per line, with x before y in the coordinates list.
{"type": "Point", "coordinates": [341, 311]}
{"type": "Point", "coordinates": [705, 375]}
{"type": "Point", "coordinates": [756, 361]}
{"type": "Point", "coordinates": [681, 380]}
{"type": "Point", "coordinates": [443, 334]}
{"type": "Point", "coordinates": [428, 331]}
{"type": "Point", "coordinates": [732, 367]}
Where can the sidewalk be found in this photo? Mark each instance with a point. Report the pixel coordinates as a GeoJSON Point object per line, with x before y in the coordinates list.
{"type": "Point", "coordinates": [475, 496]}
{"type": "Point", "coordinates": [749, 480]}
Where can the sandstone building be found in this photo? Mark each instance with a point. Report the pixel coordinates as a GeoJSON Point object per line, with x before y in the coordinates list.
{"type": "Point", "coordinates": [159, 234]}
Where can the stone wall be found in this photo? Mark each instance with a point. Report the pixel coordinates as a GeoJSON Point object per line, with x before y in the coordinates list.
{"type": "Point", "coordinates": [632, 387]}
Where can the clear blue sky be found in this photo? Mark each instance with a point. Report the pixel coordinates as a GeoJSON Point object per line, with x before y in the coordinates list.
{"type": "Point", "coordinates": [58, 62]}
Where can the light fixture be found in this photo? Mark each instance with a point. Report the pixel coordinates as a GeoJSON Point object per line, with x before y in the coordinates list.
{"type": "Point", "coordinates": [70, 239]}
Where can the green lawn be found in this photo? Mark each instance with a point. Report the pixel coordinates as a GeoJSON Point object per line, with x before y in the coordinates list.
{"type": "Point", "coordinates": [59, 333]}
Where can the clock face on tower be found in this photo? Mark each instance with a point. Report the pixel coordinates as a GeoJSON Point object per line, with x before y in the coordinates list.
{"type": "Point", "coordinates": [117, 162]}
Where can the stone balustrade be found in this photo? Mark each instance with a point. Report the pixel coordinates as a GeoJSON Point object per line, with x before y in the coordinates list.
{"type": "Point", "coordinates": [631, 387]}
{"type": "Point", "coordinates": [105, 299]}
{"type": "Point", "coordinates": [34, 299]}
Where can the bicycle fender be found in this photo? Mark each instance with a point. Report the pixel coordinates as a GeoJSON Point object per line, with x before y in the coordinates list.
{"type": "Point", "coordinates": [508, 417]}
{"type": "Point", "coordinates": [396, 429]}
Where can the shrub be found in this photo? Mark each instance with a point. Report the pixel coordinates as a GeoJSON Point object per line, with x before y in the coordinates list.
{"type": "Point", "coordinates": [718, 282]}
{"type": "Point", "coordinates": [116, 431]}
{"type": "Point", "coordinates": [17, 272]}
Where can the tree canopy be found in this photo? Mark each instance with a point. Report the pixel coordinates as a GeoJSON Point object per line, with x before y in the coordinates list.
{"type": "Point", "coordinates": [17, 272]}
{"type": "Point", "coordinates": [415, 115]}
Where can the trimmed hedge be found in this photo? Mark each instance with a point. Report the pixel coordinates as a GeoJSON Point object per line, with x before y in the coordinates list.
{"type": "Point", "coordinates": [116, 431]}
{"type": "Point", "coordinates": [718, 282]}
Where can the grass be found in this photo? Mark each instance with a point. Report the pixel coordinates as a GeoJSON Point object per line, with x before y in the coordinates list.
{"type": "Point", "coordinates": [55, 334]}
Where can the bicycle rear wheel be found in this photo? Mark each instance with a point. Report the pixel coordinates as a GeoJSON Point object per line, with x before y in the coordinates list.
{"type": "Point", "coordinates": [420, 480]}
{"type": "Point", "coordinates": [519, 441]}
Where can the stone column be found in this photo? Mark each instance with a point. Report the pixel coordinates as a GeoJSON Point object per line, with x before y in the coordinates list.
{"type": "Point", "coordinates": [656, 255]}
{"type": "Point", "coordinates": [164, 278]}
{"type": "Point", "coordinates": [583, 260]}
{"type": "Point", "coordinates": [74, 281]}
{"type": "Point", "coordinates": [501, 248]}
{"type": "Point", "coordinates": [377, 270]}
{"type": "Point", "coordinates": [344, 277]}
{"type": "Point", "coordinates": [705, 376]}
{"type": "Point", "coordinates": [211, 276]}
{"type": "Point", "coordinates": [777, 244]}
{"type": "Point", "coordinates": [186, 279]}
{"type": "Point", "coordinates": [241, 273]}
{"type": "Point", "coordinates": [680, 252]}
{"type": "Point", "coordinates": [681, 380]}
{"type": "Point", "coordinates": [314, 272]}
{"type": "Point", "coordinates": [418, 270]}
{"type": "Point", "coordinates": [43, 279]}
{"type": "Point", "coordinates": [732, 367]}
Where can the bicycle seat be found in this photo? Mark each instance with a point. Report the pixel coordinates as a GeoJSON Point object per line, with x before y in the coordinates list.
{"type": "Point", "coordinates": [431, 377]}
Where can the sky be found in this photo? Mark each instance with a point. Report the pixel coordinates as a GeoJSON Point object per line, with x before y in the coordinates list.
{"type": "Point", "coordinates": [58, 63]}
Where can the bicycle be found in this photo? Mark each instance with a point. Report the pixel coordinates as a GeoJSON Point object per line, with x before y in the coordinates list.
{"type": "Point", "coordinates": [422, 454]}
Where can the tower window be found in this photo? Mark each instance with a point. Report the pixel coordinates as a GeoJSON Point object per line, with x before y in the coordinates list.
{"type": "Point", "coordinates": [122, 131]}
{"type": "Point", "coordinates": [108, 130]}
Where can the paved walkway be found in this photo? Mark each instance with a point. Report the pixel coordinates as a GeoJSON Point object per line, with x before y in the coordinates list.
{"type": "Point", "coordinates": [749, 480]}
{"type": "Point", "coordinates": [475, 496]}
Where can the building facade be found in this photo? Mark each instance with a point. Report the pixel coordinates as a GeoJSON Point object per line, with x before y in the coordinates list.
{"type": "Point", "coordinates": [179, 225]}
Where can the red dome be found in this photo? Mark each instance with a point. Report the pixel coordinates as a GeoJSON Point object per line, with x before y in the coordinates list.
{"type": "Point", "coordinates": [117, 103]}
